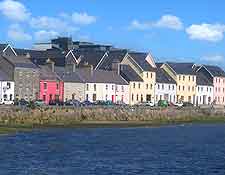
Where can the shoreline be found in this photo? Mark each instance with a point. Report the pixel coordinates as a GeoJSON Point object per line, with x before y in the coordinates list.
{"type": "Point", "coordinates": [12, 129]}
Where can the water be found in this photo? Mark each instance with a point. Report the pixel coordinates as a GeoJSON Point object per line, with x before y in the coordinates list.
{"type": "Point", "coordinates": [191, 149]}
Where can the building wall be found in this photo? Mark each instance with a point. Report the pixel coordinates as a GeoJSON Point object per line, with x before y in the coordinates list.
{"type": "Point", "coordinates": [6, 92]}
{"type": "Point", "coordinates": [76, 90]}
{"type": "Point", "coordinates": [186, 88]}
{"type": "Point", "coordinates": [51, 90]}
{"type": "Point", "coordinates": [7, 67]}
{"type": "Point", "coordinates": [137, 92]}
{"type": "Point", "coordinates": [106, 92]}
{"type": "Point", "coordinates": [26, 83]}
{"type": "Point", "coordinates": [204, 95]}
{"type": "Point", "coordinates": [165, 91]}
{"type": "Point", "coordinates": [219, 90]}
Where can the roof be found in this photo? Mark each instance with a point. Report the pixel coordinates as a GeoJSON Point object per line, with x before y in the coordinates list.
{"type": "Point", "coordinates": [20, 61]}
{"type": "Point", "coordinates": [129, 74]}
{"type": "Point", "coordinates": [4, 76]}
{"type": "Point", "coordinates": [163, 77]}
{"type": "Point", "coordinates": [3, 46]}
{"type": "Point", "coordinates": [47, 74]}
{"type": "Point", "coordinates": [182, 68]}
{"type": "Point", "coordinates": [116, 55]}
{"type": "Point", "coordinates": [92, 76]}
{"type": "Point", "coordinates": [90, 57]}
{"type": "Point", "coordinates": [216, 71]}
{"type": "Point", "coordinates": [40, 57]}
{"type": "Point", "coordinates": [203, 80]}
{"type": "Point", "coordinates": [140, 59]}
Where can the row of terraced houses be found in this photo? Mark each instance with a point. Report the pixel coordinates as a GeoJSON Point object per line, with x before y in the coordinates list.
{"type": "Point", "coordinates": [63, 69]}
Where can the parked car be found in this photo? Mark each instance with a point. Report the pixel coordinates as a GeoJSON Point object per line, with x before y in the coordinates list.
{"type": "Point", "coordinates": [100, 103]}
{"type": "Point", "coordinates": [121, 103]}
{"type": "Point", "coordinates": [179, 104]}
{"type": "Point", "coordinates": [21, 102]}
{"type": "Point", "coordinates": [86, 103]}
{"type": "Point", "coordinates": [163, 103]}
{"type": "Point", "coordinates": [56, 103]}
{"type": "Point", "coordinates": [6, 102]}
{"type": "Point", "coordinates": [39, 103]}
{"type": "Point", "coordinates": [75, 103]}
{"type": "Point", "coordinates": [148, 103]}
{"type": "Point", "coordinates": [187, 104]}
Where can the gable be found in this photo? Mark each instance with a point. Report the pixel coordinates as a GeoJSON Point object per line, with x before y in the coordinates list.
{"type": "Point", "coordinates": [150, 60]}
{"type": "Point", "coordinates": [169, 71]}
{"type": "Point", "coordinates": [9, 51]}
{"type": "Point", "coordinates": [70, 58]}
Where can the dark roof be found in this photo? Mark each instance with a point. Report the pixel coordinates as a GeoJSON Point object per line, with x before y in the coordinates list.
{"type": "Point", "coordinates": [90, 57]}
{"type": "Point", "coordinates": [116, 55]}
{"type": "Point", "coordinates": [163, 77]}
{"type": "Point", "coordinates": [40, 57]}
{"type": "Point", "coordinates": [4, 76]}
{"type": "Point", "coordinates": [182, 68]}
{"type": "Point", "coordinates": [203, 80]}
{"type": "Point", "coordinates": [216, 71]}
{"type": "Point", "coordinates": [158, 65]}
{"type": "Point", "coordinates": [71, 77]}
{"type": "Point", "coordinates": [20, 61]}
{"type": "Point", "coordinates": [129, 74]}
{"type": "Point", "coordinates": [2, 47]}
{"type": "Point", "coordinates": [140, 59]}
{"type": "Point", "coordinates": [47, 74]}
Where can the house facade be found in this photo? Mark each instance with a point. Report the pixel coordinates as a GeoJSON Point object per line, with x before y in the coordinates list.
{"type": "Point", "coordinates": [185, 78]}
{"type": "Point", "coordinates": [165, 88]}
{"type": "Point", "coordinates": [144, 66]}
{"type": "Point", "coordinates": [51, 86]}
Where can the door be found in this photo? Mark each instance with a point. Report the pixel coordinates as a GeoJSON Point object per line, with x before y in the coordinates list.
{"type": "Point", "coordinates": [113, 98]}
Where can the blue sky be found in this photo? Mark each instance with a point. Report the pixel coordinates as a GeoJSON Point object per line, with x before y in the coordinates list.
{"type": "Point", "coordinates": [171, 30]}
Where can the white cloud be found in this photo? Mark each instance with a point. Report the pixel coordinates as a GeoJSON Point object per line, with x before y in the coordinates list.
{"type": "Point", "coordinates": [14, 10]}
{"type": "Point", "coordinates": [207, 32]}
{"type": "Point", "coordinates": [166, 21]}
{"type": "Point", "coordinates": [213, 58]}
{"type": "Point", "coordinates": [52, 23]}
{"type": "Point", "coordinates": [135, 24]}
{"type": "Point", "coordinates": [169, 21]}
{"type": "Point", "coordinates": [44, 35]}
{"type": "Point", "coordinates": [16, 33]}
{"type": "Point", "coordinates": [83, 18]}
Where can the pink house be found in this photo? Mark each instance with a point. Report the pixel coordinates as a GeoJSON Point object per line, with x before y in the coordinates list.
{"type": "Point", "coordinates": [217, 76]}
{"type": "Point", "coordinates": [51, 86]}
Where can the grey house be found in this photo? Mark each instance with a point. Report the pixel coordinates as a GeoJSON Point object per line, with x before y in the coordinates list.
{"type": "Point", "coordinates": [24, 73]}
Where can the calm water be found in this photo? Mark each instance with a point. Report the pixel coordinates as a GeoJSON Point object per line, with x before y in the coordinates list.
{"type": "Point", "coordinates": [191, 149]}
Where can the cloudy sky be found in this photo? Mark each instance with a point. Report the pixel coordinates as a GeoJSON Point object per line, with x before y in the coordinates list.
{"type": "Point", "coordinates": [171, 30]}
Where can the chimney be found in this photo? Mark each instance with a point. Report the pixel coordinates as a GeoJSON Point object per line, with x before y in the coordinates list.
{"type": "Point", "coordinates": [116, 66]}
{"type": "Point", "coordinates": [89, 69]}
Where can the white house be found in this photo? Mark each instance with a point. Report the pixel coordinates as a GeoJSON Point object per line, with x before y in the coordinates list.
{"type": "Point", "coordinates": [204, 90]}
{"type": "Point", "coordinates": [6, 89]}
{"type": "Point", "coordinates": [165, 87]}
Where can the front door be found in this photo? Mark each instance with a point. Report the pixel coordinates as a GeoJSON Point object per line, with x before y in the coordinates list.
{"type": "Point", "coordinates": [113, 98]}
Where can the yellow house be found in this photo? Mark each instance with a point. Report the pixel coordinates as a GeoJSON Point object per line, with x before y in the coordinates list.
{"type": "Point", "coordinates": [185, 78]}
{"type": "Point", "coordinates": [144, 66]}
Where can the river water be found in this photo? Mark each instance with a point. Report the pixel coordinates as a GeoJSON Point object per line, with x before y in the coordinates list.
{"type": "Point", "coordinates": [189, 149]}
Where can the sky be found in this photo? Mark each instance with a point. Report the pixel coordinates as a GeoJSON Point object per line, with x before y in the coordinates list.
{"type": "Point", "coordinates": [171, 30]}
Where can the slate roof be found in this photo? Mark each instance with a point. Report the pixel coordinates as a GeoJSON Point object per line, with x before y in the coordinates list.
{"type": "Point", "coordinates": [4, 76]}
{"type": "Point", "coordinates": [91, 57]}
{"type": "Point", "coordinates": [182, 68]}
{"type": "Point", "coordinates": [216, 71]}
{"type": "Point", "coordinates": [2, 47]}
{"type": "Point", "coordinates": [129, 74]}
{"type": "Point", "coordinates": [163, 77]}
{"type": "Point", "coordinates": [20, 62]}
{"type": "Point", "coordinates": [140, 59]}
{"type": "Point", "coordinates": [97, 76]}
{"type": "Point", "coordinates": [40, 57]}
{"type": "Point", "coordinates": [47, 74]}
{"type": "Point", "coordinates": [116, 55]}
{"type": "Point", "coordinates": [202, 80]}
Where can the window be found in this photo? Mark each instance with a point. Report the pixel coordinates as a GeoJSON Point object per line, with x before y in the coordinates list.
{"type": "Point", "coordinates": [134, 85]}
{"type": "Point", "coordinates": [198, 89]}
{"type": "Point", "coordinates": [137, 97]}
{"type": "Point", "coordinates": [45, 86]}
{"type": "Point", "coordinates": [193, 88]}
{"type": "Point", "coordinates": [94, 87]}
{"type": "Point", "coordinates": [56, 97]}
{"type": "Point", "coordinates": [146, 86]}
{"type": "Point", "coordinates": [87, 87]}
{"type": "Point", "coordinates": [147, 74]}
{"type": "Point", "coordinates": [122, 87]}
{"type": "Point", "coordinates": [183, 88]}
{"type": "Point", "coordinates": [5, 97]}
{"type": "Point", "coordinates": [158, 86]}
{"type": "Point", "coordinates": [173, 87]}
{"type": "Point", "coordinates": [193, 78]}
{"type": "Point", "coordinates": [151, 75]}
{"type": "Point", "coordinates": [112, 87]}
{"type": "Point", "coordinates": [162, 86]}
{"type": "Point", "coordinates": [189, 78]}
{"type": "Point", "coordinates": [139, 85]}
{"type": "Point", "coordinates": [202, 89]}
{"type": "Point", "coordinates": [8, 85]}
{"type": "Point", "coordinates": [106, 97]}
{"type": "Point", "coordinates": [151, 86]}
{"type": "Point", "coordinates": [183, 78]}
{"type": "Point", "coordinates": [142, 98]}
{"type": "Point", "coordinates": [50, 97]}
{"type": "Point", "coordinates": [179, 77]}
{"type": "Point", "coordinates": [106, 87]}
{"type": "Point", "coordinates": [116, 88]}
{"type": "Point", "coordinates": [189, 88]}
{"type": "Point", "coordinates": [11, 97]}
{"type": "Point", "coordinates": [132, 97]}
{"type": "Point", "coordinates": [87, 97]}
{"type": "Point", "coordinates": [94, 97]}
{"type": "Point", "coordinates": [179, 88]}
{"type": "Point", "coordinates": [169, 87]}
